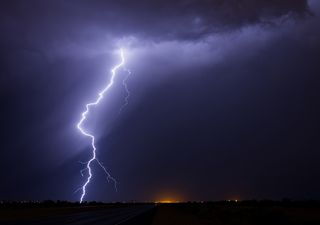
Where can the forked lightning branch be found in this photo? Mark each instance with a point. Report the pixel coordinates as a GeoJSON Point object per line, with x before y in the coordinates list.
{"type": "Point", "coordinates": [114, 73]}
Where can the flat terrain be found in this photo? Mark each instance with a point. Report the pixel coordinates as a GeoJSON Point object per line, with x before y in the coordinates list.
{"type": "Point", "coordinates": [133, 214]}
{"type": "Point", "coordinates": [222, 213]}
{"type": "Point", "coordinates": [235, 214]}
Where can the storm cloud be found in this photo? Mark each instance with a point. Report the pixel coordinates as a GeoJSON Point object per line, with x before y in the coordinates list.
{"type": "Point", "coordinates": [228, 87]}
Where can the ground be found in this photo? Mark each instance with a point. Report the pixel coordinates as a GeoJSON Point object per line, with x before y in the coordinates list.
{"type": "Point", "coordinates": [218, 213]}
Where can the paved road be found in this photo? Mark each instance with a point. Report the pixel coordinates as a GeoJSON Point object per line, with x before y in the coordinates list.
{"type": "Point", "coordinates": [130, 215]}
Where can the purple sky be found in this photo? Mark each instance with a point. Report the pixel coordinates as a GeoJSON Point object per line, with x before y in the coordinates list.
{"type": "Point", "coordinates": [224, 98]}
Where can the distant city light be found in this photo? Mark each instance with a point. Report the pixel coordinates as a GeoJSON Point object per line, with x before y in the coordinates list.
{"type": "Point", "coordinates": [167, 201]}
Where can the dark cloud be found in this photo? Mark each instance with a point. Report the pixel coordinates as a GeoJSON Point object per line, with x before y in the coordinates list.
{"type": "Point", "coordinates": [224, 98]}
{"type": "Point", "coordinates": [156, 20]}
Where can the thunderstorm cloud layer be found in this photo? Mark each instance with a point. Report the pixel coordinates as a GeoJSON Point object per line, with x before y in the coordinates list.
{"type": "Point", "coordinates": [224, 98]}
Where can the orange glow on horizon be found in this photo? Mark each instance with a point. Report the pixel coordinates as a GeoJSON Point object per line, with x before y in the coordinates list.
{"type": "Point", "coordinates": [167, 201]}
{"type": "Point", "coordinates": [169, 196]}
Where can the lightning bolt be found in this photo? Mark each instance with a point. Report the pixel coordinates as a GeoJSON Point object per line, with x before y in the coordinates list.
{"type": "Point", "coordinates": [91, 136]}
{"type": "Point", "coordinates": [124, 83]}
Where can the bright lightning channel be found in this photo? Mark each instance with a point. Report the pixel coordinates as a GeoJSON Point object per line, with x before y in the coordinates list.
{"type": "Point", "coordinates": [91, 136]}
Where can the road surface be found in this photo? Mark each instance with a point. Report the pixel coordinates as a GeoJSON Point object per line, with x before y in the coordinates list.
{"type": "Point", "coordinates": [129, 215]}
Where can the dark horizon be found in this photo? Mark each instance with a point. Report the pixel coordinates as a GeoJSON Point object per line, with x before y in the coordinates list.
{"type": "Point", "coordinates": [269, 202]}
{"type": "Point", "coordinates": [224, 99]}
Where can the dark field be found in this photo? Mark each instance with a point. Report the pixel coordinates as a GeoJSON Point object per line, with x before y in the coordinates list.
{"type": "Point", "coordinates": [237, 213]}
{"type": "Point", "coordinates": [216, 213]}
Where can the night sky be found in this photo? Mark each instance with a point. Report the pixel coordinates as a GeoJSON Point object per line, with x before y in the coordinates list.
{"type": "Point", "coordinates": [224, 99]}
